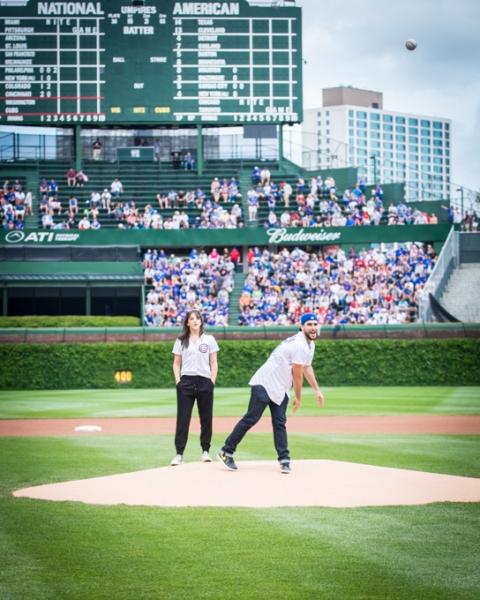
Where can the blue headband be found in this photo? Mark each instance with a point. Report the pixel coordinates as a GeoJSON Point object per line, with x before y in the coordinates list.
{"type": "Point", "coordinates": [308, 317]}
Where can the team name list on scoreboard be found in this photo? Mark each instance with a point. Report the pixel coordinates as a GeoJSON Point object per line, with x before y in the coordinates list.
{"type": "Point", "coordinates": [166, 62]}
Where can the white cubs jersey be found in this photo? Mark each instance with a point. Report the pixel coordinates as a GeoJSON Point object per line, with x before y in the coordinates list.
{"type": "Point", "coordinates": [196, 357]}
{"type": "Point", "coordinates": [276, 375]}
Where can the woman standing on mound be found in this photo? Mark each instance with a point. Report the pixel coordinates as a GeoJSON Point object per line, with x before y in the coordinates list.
{"type": "Point", "coordinates": [196, 352]}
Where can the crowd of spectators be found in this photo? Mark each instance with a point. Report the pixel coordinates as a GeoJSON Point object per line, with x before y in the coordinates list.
{"type": "Point", "coordinates": [312, 204]}
{"type": "Point", "coordinates": [73, 216]}
{"type": "Point", "coordinates": [467, 220]}
{"type": "Point", "coordinates": [187, 161]}
{"type": "Point", "coordinates": [368, 287]}
{"type": "Point", "coordinates": [15, 205]}
{"type": "Point", "coordinates": [219, 208]}
{"type": "Point", "coordinates": [316, 204]}
{"type": "Point", "coordinates": [199, 281]}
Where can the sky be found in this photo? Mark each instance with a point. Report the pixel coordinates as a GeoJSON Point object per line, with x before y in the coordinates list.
{"type": "Point", "coordinates": [362, 43]}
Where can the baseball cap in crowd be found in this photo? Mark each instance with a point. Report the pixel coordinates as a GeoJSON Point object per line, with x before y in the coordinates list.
{"type": "Point", "coordinates": [308, 317]}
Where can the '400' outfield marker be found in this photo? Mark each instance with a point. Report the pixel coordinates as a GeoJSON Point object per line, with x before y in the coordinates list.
{"type": "Point", "coordinates": [123, 376]}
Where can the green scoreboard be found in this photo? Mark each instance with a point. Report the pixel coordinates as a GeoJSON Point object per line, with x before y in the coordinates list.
{"type": "Point", "coordinates": [156, 62]}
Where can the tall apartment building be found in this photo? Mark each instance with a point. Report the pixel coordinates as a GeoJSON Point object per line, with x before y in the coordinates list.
{"type": "Point", "coordinates": [353, 129]}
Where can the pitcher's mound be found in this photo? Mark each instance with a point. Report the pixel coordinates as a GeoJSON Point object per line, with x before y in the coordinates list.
{"type": "Point", "coordinates": [259, 484]}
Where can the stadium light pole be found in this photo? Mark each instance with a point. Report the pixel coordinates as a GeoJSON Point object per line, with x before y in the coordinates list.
{"type": "Point", "coordinates": [280, 146]}
{"type": "Point", "coordinates": [374, 158]}
{"type": "Point", "coordinates": [461, 196]}
{"type": "Point", "coordinates": [78, 147]}
{"type": "Point", "coordinates": [199, 150]}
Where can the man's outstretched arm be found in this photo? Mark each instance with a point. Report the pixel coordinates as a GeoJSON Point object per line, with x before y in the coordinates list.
{"type": "Point", "coordinates": [297, 385]}
{"type": "Point", "coordinates": [310, 377]}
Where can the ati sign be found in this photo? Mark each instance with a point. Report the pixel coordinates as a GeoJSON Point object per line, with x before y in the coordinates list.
{"type": "Point", "coordinates": [282, 236]}
{"type": "Point", "coordinates": [20, 237]}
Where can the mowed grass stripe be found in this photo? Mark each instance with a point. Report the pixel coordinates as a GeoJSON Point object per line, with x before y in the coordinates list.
{"type": "Point", "coordinates": [71, 550]}
{"type": "Point", "coordinates": [232, 402]}
{"type": "Point", "coordinates": [29, 461]}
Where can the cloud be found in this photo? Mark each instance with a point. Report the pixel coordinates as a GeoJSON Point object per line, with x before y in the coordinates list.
{"type": "Point", "coordinates": [363, 44]}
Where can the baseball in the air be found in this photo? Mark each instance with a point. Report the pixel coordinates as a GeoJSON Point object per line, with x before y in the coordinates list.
{"type": "Point", "coordinates": [411, 44]}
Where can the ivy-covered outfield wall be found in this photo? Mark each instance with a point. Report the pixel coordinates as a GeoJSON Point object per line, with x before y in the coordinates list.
{"type": "Point", "coordinates": [149, 365]}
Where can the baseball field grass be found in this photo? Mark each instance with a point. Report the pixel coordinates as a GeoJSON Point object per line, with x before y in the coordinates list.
{"type": "Point", "coordinates": [232, 402]}
{"type": "Point", "coordinates": [68, 550]}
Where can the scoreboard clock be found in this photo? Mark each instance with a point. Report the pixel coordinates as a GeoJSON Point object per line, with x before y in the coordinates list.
{"type": "Point", "coordinates": [160, 62]}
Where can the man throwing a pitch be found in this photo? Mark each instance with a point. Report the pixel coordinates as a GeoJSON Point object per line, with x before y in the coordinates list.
{"type": "Point", "coordinates": [287, 365]}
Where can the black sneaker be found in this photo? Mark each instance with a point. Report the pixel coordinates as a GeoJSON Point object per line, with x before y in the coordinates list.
{"type": "Point", "coordinates": [285, 468]}
{"type": "Point", "coordinates": [227, 461]}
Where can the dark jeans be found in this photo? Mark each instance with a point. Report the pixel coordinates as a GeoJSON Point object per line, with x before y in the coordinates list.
{"type": "Point", "coordinates": [259, 401]}
{"type": "Point", "coordinates": [189, 389]}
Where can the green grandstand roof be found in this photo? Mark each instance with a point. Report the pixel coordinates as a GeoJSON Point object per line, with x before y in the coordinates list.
{"type": "Point", "coordinates": [70, 271]}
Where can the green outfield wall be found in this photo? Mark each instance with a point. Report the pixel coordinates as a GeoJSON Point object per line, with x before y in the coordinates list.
{"type": "Point", "coordinates": [252, 236]}
{"type": "Point", "coordinates": [336, 363]}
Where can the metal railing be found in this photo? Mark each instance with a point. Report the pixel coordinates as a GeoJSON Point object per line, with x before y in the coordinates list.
{"type": "Point", "coordinates": [448, 260]}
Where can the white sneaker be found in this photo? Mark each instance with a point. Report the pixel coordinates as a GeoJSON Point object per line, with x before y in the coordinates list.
{"type": "Point", "coordinates": [178, 460]}
{"type": "Point", "coordinates": [206, 457]}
